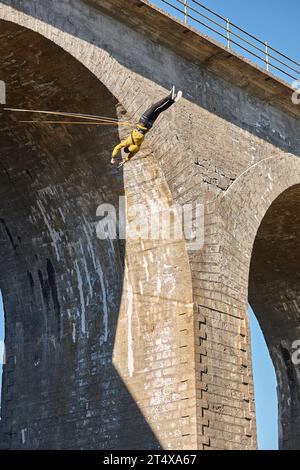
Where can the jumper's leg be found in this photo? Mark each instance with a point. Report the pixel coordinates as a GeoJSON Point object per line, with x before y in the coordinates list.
{"type": "Point", "coordinates": [151, 115]}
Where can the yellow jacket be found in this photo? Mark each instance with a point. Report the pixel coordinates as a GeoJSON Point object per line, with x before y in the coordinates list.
{"type": "Point", "coordinates": [132, 143]}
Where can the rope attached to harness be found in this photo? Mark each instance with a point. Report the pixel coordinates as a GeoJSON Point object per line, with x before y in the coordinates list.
{"type": "Point", "coordinates": [90, 117]}
{"type": "Point", "coordinates": [86, 123]}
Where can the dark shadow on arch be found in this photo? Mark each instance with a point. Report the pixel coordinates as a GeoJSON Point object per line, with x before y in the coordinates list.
{"type": "Point", "coordinates": [274, 294]}
{"type": "Point", "coordinates": [61, 285]}
{"type": "Point", "coordinates": [2, 349]}
{"type": "Point", "coordinates": [214, 102]}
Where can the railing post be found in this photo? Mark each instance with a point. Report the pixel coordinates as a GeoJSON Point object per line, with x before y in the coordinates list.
{"type": "Point", "coordinates": [185, 11]}
{"type": "Point", "coordinates": [267, 55]}
{"type": "Point", "coordinates": [228, 32]}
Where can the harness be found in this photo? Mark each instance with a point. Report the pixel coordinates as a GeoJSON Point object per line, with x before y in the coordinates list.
{"type": "Point", "coordinates": [142, 131]}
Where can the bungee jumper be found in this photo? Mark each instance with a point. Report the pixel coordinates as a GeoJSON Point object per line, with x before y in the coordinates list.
{"type": "Point", "coordinates": [133, 143]}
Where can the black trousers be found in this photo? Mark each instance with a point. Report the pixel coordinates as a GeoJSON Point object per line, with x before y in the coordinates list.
{"type": "Point", "coordinates": [150, 116]}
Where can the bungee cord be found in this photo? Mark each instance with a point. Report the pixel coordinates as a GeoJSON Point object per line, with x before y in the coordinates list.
{"type": "Point", "coordinates": [86, 123]}
{"type": "Point", "coordinates": [99, 119]}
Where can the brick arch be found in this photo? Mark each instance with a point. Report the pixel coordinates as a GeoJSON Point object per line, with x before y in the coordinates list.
{"type": "Point", "coordinates": [87, 54]}
{"type": "Point", "coordinates": [56, 278]}
{"type": "Point", "coordinates": [133, 91]}
{"type": "Point", "coordinates": [260, 264]}
{"type": "Point", "coordinates": [97, 60]}
{"type": "Point", "coordinates": [243, 206]}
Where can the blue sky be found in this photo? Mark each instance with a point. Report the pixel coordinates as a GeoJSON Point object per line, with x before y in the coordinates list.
{"type": "Point", "coordinates": [264, 389]}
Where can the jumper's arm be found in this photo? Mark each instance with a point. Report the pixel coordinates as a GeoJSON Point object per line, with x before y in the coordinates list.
{"type": "Point", "coordinates": [117, 149]}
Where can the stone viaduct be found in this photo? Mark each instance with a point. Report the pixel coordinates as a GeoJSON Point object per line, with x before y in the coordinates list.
{"type": "Point", "coordinates": [143, 343]}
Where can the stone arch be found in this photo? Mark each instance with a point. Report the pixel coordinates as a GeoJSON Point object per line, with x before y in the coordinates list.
{"type": "Point", "coordinates": [62, 286]}
{"type": "Point", "coordinates": [87, 54]}
{"type": "Point", "coordinates": [259, 262]}
{"type": "Point", "coordinates": [71, 283]}
{"type": "Point", "coordinates": [97, 60]}
{"type": "Point", "coordinates": [132, 90]}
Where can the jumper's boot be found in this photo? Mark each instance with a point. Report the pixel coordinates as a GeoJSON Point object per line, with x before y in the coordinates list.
{"type": "Point", "coordinates": [175, 96]}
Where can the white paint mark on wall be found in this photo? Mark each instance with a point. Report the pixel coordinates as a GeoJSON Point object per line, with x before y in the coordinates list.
{"type": "Point", "coordinates": [168, 266]}
{"type": "Point", "coordinates": [74, 332]}
{"type": "Point", "coordinates": [87, 274]}
{"type": "Point", "coordinates": [112, 246]}
{"type": "Point", "coordinates": [98, 268]}
{"type": "Point", "coordinates": [145, 266]}
{"type": "Point", "coordinates": [141, 287]}
{"type": "Point", "coordinates": [23, 435]}
{"type": "Point", "coordinates": [270, 182]}
{"type": "Point", "coordinates": [104, 337]}
{"type": "Point", "coordinates": [52, 232]}
{"type": "Point", "coordinates": [81, 295]}
{"type": "Point", "coordinates": [62, 215]}
{"type": "Point", "coordinates": [89, 242]}
{"type": "Point", "coordinates": [129, 330]}
{"type": "Point", "coordinates": [158, 285]}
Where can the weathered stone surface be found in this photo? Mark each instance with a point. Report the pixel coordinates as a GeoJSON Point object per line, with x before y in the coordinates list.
{"type": "Point", "coordinates": [144, 344]}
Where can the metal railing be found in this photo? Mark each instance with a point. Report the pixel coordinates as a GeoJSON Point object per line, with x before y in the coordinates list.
{"type": "Point", "coordinates": [197, 14]}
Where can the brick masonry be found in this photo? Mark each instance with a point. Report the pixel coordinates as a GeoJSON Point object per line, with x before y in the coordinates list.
{"type": "Point", "coordinates": [144, 345]}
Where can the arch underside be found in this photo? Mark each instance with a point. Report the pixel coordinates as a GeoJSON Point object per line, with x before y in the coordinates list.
{"type": "Point", "coordinates": [274, 294]}
{"type": "Point", "coordinates": [61, 286]}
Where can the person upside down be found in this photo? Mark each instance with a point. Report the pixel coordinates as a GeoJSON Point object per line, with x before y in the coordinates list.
{"type": "Point", "coordinates": [132, 144]}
